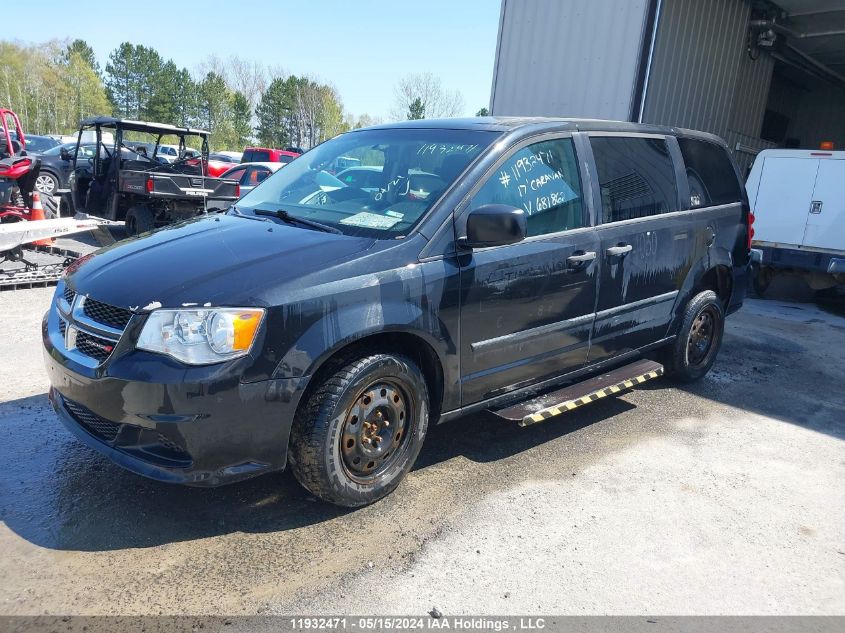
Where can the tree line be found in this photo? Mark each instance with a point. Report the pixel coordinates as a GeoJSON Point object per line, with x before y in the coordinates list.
{"type": "Point", "coordinates": [53, 85]}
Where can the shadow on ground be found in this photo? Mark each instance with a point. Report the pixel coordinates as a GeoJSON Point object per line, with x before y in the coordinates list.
{"type": "Point", "coordinates": [59, 494]}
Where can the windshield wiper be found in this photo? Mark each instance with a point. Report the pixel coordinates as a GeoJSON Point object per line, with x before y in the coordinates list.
{"type": "Point", "coordinates": [284, 216]}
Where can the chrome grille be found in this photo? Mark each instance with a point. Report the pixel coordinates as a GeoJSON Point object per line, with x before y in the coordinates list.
{"type": "Point", "coordinates": [107, 314]}
{"type": "Point", "coordinates": [89, 329]}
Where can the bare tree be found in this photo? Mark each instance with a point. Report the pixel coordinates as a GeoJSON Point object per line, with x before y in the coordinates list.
{"type": "Point", "coordinates": [250, 78]}
{"type": "Point", "coordinates": [436, 101]}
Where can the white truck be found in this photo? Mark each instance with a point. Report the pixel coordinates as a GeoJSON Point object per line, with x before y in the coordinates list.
{"type": "Point", "coordinates": [798, 201]}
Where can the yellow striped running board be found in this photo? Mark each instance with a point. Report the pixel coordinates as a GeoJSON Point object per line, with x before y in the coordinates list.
{"type": "Point", "coordinates": [568, 405]}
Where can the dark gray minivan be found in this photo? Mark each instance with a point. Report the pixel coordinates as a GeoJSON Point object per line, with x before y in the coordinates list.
{"type": "Point", "coordinates": [541, 265]}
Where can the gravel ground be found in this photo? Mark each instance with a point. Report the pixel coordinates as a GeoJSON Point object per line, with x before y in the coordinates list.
{"type": "Point", "coordinates": [725, 497]}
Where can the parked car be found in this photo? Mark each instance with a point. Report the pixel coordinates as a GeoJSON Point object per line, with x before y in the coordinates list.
{"type": "Point", "coordinates": [798, 199]}
{"type": "Point", "coordinates": [170, 153]}
{"type": "Point", "coordinates": [57, 165]}
{"type": "Point", "coordinates": [250, 175]}
{"type": "Point", "coordinates": [267, 155]}
{"type": "Point", "coordinates": [227, 156]}
{"type": "Point", "coordinates": [328, 326]}
{"type": "Point", "coordinates": [40, 144]}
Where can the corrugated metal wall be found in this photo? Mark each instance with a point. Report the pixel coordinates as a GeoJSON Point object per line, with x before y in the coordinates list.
{"type": "Point", "coordinates": [576, 58]}
{"type": "Point", "coordinates": [696, 57]}
{"type": "Point", "coordinates": [702, 77]}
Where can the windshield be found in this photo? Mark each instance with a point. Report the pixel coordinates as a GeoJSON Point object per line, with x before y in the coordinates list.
{"type": "Point", "coordinates": [401, 173]}
{"type": "Point", "coordinates": [55, 151]}
{"type": "Point", "coordinates": [40, 143]}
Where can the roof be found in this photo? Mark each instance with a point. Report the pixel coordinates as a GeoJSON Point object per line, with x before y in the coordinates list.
{"type": "Point", "coordinates": [271, 166]}
{"type": "Point", "coordinates": [802, 153]}
{"type": "Point", "coordinates": [140, 126]}
{"type": "Point", "coordinates": [540, 124]}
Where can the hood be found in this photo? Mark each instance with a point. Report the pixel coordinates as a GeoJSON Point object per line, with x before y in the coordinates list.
{"type": "Point", "coordinates": [221, 260]}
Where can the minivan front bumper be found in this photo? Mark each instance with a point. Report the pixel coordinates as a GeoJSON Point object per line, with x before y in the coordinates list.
{"type": "Point", "coordinates": [201, 433]}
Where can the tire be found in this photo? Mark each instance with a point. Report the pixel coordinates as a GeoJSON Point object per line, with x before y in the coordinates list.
{"type": "Point", "coordinates": [46, 183]}
{"type": "Point", "coordinates": [761, 279]}
{"type": "Point", "coordinates": [51, 207]}
{"type": "Point", "coordinates": [139, 219]}
{"type": "Point", "coordinates": [695, 349]}
{"type": "Point", "coordinates": [359, 433]}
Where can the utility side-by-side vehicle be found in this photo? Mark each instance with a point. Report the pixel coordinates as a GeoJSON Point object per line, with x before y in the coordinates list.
{"type": "Point", "coordinates": [124, 180]}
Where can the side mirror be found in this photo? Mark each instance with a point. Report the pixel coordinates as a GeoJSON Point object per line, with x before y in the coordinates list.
{"type": "Point", "coordinates": [65, 154]}
{"type": "Point", "coordinates": [494, 225]}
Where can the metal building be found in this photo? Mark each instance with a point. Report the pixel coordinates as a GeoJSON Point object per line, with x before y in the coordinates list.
{"type": "Point", "coordinates": [758, 73]}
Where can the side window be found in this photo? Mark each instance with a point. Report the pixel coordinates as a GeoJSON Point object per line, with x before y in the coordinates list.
{"type": "Point", "coordinates": [711, 176]}
{"type": "Point", "coordinates": [543, 180]}
{"type": "Point", "coordinates": [236, 174]}
{"type": "Point", "coordinates": [636, 176]}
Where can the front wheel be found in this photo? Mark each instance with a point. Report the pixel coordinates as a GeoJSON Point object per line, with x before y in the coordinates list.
{"type": "Point", "coordinates": [46, 183]}
{"type": "Point", "coordinates": [694, 351]}
{"type": "Point", "coordinates": [361, 430]}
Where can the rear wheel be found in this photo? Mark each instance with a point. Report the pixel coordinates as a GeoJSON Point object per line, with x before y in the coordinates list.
{"type": "Point", "coordinates": [694, 351]}
{"type": "Point", "coordinates": [360, 432]}
{"type": "Point", "coordinates": [761, 278]}
{"type": "Point", "coordinates": [139, 219]}
{"type": "Point", "coordinates": [51, 206]}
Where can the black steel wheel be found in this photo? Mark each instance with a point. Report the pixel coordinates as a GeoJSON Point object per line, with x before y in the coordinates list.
{"type": "Point", "coordinates": [701, 336]}
{"type": "Point", "coordinates": [374, 431]}
{"type": "Point", "coordinates": [698, 340]}
{"type": "Point", "coordinates": [361, 429]}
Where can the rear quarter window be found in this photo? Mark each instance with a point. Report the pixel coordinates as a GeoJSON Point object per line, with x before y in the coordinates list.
{"type": "Point", "coordinates": [256, 156]}
{"type": "Point", "coordinates": [636, 175]}
{"type": "Point", "coordinates": [710, 173]}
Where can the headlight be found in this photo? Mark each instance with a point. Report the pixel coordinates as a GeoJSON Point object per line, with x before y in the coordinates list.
{"type": "Point", "coordinates": [201, 337]}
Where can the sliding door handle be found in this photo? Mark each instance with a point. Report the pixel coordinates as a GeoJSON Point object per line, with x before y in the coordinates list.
{"type": "Point", "coordinates": [622, 249]}
{"type": "Point", "coordinates": [580, 258]}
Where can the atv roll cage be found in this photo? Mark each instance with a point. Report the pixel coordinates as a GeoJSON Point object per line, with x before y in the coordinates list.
{"type": "Point", "coordinates": [120, 126]}
{"type": "Point", "coordinates": [128, 180]}
{"type": "Point", "coordinates": [8, 146]}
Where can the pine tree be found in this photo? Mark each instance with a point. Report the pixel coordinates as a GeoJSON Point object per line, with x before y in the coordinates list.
{"type": "Point", "coordinates": [416, 110]}
{"type": "Point", "coordinates": [121, 80]}
{"type": "Point", "coordinates": [241, 120]}
{"type": "Point", "coordinates": [273, 116]}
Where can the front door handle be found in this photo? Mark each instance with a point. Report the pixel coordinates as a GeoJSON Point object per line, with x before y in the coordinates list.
{"type": "Point", "coordinates": [580, 258]}
{"type": "Point", "coordinates": [622, 249]}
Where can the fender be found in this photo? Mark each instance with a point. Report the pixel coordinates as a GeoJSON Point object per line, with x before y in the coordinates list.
{"type": "Point", "coordinates": [716, 256]}
{"type": "Point", "coordinates": [337, 329]}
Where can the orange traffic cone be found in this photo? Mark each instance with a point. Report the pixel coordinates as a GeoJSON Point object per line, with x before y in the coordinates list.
{"type": "Point", "coordinates": [38, 214]}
